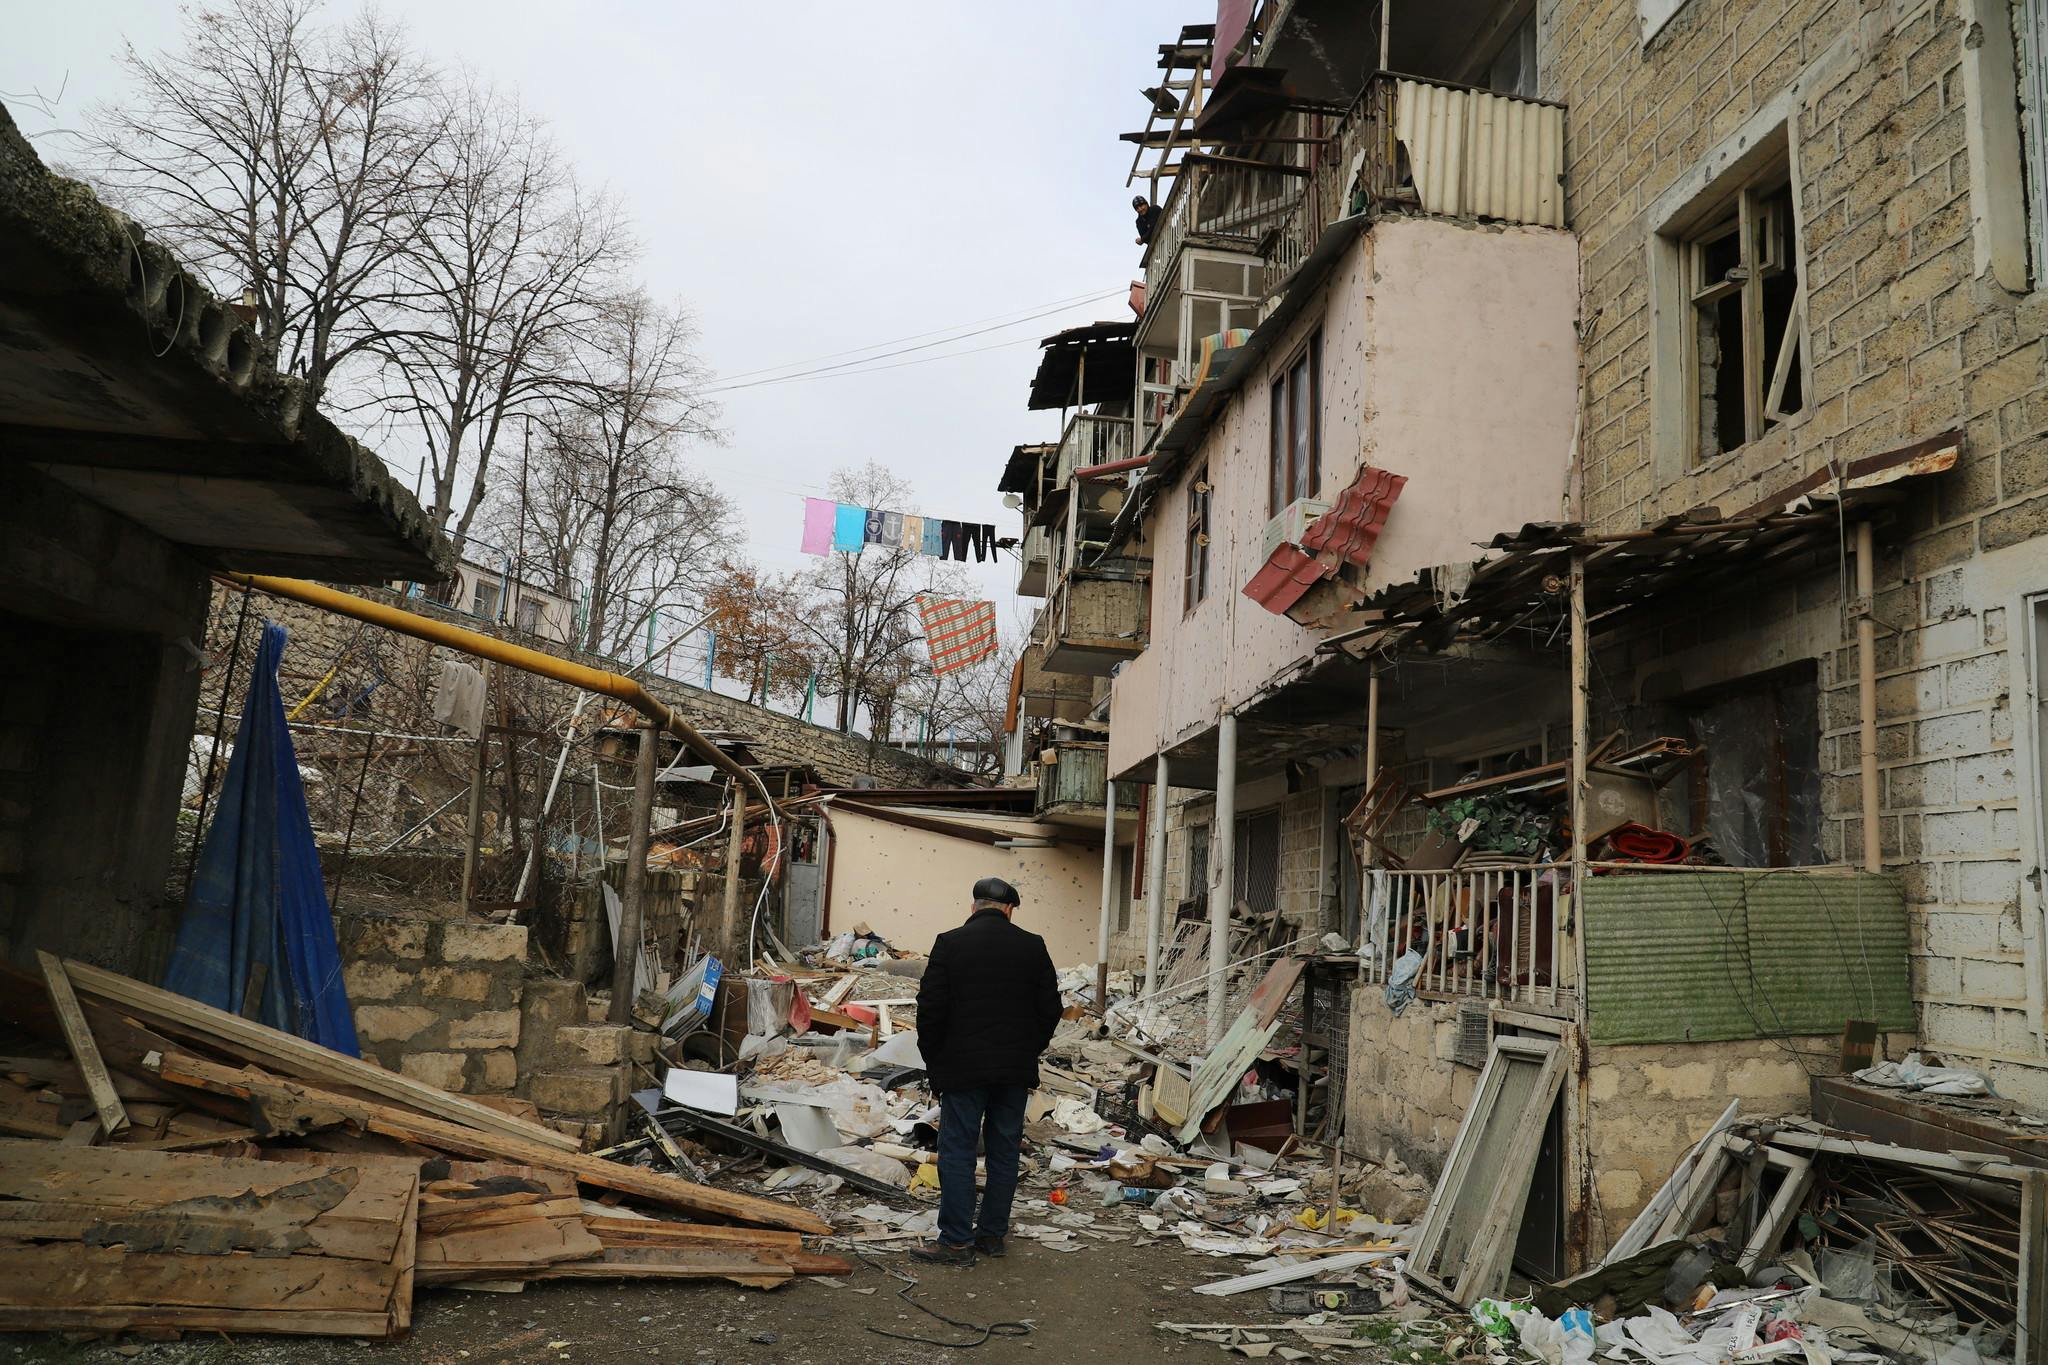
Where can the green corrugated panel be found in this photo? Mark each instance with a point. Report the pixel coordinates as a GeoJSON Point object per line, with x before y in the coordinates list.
{"type": "Point", "coordinates": [1674, 957]}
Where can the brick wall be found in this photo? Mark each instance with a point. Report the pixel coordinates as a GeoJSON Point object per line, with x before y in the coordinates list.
{"type": "Point", "coordinates": [1906, 343]}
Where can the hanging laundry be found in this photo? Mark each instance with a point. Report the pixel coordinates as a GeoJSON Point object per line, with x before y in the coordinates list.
{"type": "Point", "coordinates": [934, 532]}
{"type": "Point", "coordinates": [819, 518]}
{"type": "Point", "coordinates": [984, 540]}
{"type": "Point", "coordinates": [849, 528]}
{"type": "Point", "coordinates": [875, 534]}
{"type": "Point", "coordinates": [957, 632]}
{"type": "Point", "coordinates": [892, 529]}
{"type": "Point", "coordinates": [913, 533]}
{"type": "Point", "coordinates": [952, 540]}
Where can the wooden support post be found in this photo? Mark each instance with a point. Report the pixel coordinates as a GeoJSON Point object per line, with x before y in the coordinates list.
{"type": "Point", "coordinates": [633, 903]}
{"type": "Point", "coordinates": [1866, 694]}
{"type": "Point", "coordinates": [1108, 895]}
{"type": "Point", "coordinates": [473, 824]}
{"type": "Point", "coordinates": [1155, 874]}
{"type": "Point", "coordinates": [730, 929]}
{"type": "Point", "coordinates": [1223, 874]}
{"type": "Point", "coordinates": [84, 1051]}
{"type": "Point", "coordinates": [1581, 669]}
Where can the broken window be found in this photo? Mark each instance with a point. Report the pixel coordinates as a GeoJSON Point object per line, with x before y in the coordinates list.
{"type": "Point", "coordinates": [1756, 787]}
{"type": "Point", "coordinates": [1746, 317]}
{"type": "Point", "coordinates": [1257, 856]}
{"type": "Point", "coordinates": [1512, 71]}
{"type": "Point", "coordinates": [2031, 17]}
{"type": "Point", "coordinates": [1195, 563]}
{"type": "Point", "coordinates": [1198, 861]}
{"type": "Point", "coordinates": [1295, 439]}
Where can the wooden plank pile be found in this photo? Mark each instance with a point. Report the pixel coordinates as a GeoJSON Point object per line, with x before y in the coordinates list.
{"type": "Point", "coordinates": [168, 1166]}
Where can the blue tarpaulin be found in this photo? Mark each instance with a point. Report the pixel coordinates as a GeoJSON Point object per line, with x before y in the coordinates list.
{"type": "Point", "coordinates": [257, 899]}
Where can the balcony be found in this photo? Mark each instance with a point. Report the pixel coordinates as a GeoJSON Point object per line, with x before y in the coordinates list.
{"type": "Point", "coordinates": [1036, 554]}
{"type": "Point", "coordinates": [1672, 953]}
{"type": "Point", "coordinates": [1073, 786]}
{"type": "Point", "coordinates": [1226, 202]}
{"type": "Point", "coordinates": [1097, 618]}
{"type": "Point", "coordinates": [1091, 440]}
{"type": "Point", "coordinates": [1433, 147]}
{"type": "Point", "coordinates": [1045, 694]}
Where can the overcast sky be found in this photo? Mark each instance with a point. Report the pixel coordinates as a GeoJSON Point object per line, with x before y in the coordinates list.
{"type": "Point", "coordinates": [808, 178]}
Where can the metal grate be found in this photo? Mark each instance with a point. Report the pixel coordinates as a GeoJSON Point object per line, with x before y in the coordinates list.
{"type": "Point", "coordinates": [1475, 1033]}
{"type": "Point", "coordinates": [1258, 861]}
{"type": "Point", "coordinates": [1329, 1019]}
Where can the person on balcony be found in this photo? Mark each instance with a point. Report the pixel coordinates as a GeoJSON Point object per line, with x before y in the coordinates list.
{"type": "Point", "coordinates": [987, 1007]}
{"type": "Point", "coordinates": [1148, 217]}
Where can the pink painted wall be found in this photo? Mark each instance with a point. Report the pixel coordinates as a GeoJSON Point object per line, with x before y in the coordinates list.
{"type": "Point", "coordinates": [1449, 355]}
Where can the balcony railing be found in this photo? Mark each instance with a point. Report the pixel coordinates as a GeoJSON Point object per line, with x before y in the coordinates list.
{"type": "Point", "coordinates": [1448, 150]}
{"type": "Point", "coordinates": [1494, 934]}
{"type": "Point", "coordinates": [1222, 201]}
{"type": "Point", "coordinates": [1077, 781]}
{"type": "Point", "coordinates": [1091, 440]}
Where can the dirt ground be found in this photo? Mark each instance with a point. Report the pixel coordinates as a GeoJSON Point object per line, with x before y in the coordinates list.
{"type": "Point", "coordinates": [1096, 1304]}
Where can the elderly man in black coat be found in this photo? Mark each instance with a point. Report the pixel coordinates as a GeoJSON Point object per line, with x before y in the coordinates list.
{"type": "Point", "coordinates": [987, 1007]}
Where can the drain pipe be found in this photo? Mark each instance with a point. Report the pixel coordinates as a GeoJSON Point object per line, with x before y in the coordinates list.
{"type": "Point", "coordinates": [1866, 692]}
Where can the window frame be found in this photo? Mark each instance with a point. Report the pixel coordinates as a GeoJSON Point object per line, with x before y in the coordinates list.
{"type": "Point", "coordinates": [1286, 481]}
{"type": "Point", "coordinates": [1194, 579]}
{"type": "Point", "coordinates": [2030, 18]}
{"type": "Point", "coordinates": [1767, 244]}
{"type": "Point", "coordinates": [478, 586]}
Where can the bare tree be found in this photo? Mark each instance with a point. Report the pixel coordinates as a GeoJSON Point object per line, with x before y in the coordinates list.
{"type": "Point", "coordinates": [859, 609]}
{"type": "Point", "coordinates": [608, 511]}
{"type": "Point", "coordinates": [968, 705]}
{"type": "Point", "coordinates": [509, 261]}
{"type": "Point", "coordinates": [282, 158]}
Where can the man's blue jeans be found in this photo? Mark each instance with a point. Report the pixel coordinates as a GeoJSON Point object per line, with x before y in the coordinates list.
{"type": "Point", "coordinates": [994, 1114]}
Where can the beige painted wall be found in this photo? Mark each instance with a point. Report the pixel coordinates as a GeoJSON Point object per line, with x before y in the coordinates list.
{"type": "Point", "coordinates": [911, 885]}
{"type": "Point", "coordinates": [1450, 356]}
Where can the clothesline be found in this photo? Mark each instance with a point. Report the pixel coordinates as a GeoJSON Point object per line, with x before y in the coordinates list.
{"type": "Point", "coordinates": [841, 526]}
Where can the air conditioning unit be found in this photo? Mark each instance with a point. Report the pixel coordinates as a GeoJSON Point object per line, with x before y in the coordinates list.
{"type": "Point", "coordinates": [1292, 524]}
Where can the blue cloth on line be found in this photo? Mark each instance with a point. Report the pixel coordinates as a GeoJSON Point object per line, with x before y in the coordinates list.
{"type": "Point", "coordinates": [850, 528]}
{"type": "Point", "coordinates": [934, 528]}
{"type": "Point", "coordinates": [257, 901]}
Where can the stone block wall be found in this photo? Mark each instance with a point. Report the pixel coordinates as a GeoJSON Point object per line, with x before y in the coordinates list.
{"type": "Point", "coordinates": [1401, 1088]}
{"type": "Point", "coordinates": [1913, 330]}
{"type": "Point", "coordinates": [1305, 889]}
{"type": "Point", "coordinates": [1646, 1105]}
{"type": "Point", "coordinates": [438, 1000]}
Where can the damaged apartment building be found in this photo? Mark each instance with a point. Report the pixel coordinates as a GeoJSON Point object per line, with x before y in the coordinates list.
{"type": "Point", "coordinates": [1566, 519]}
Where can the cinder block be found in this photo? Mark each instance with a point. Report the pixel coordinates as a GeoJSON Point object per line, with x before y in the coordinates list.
{"type": "Point", "coordinates": [593, 1044]}
{"type": "Point", "coordinates": [472, 985]}
{"type": "Point", "coordinates": [376, 980]}
{"type": "Point", "coordinates": [584, 1092]}
{"type": "Point", "coordinates": [483, 942]}
{"type": "Point", "coordinates": [443, 1069]}
{"type": "Point", "coordinates": [486, 1029]}
{"type": "Point", "coordinates": [383, 936]}
{"type": "Point", "coordinates": [393, 1023]}
{"type": "Point", "coordinates": [495, 1070]}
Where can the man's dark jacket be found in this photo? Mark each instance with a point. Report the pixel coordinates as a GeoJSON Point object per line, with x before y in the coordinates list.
{"type": "Point", "coordinates": [988, 1005]}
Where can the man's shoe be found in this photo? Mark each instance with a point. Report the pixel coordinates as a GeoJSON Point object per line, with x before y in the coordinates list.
{"type": "Point", "coordinates": [989, 1245]}
{"type": "Point", "coordinates": [938, 1253]}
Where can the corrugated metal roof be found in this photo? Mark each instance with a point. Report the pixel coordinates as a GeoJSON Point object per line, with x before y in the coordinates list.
{"type": "Point", "coordinates": [1710, 956]}
{"type": "Point", "coordinates": [1476, 154]}
{"type": "Point", "coordinates": [1285, 578]}
{"type": "Point", "coordinates": [1353, 524]}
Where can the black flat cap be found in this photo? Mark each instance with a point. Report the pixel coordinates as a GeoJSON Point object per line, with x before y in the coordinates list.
{"type": "Point", "coordinates": [996, 890]}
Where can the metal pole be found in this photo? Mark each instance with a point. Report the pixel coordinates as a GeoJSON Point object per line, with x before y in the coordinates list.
{"type": "Point", "coordinates": [1108, 895]}
{"type": "Point", "coordinates": [473, 823]}
{"type": "Point", "coordinates": [1222, 872]}
{"type": "Point", "coordinates": [1155, 874]}
{"type": "Point", "coordinates": [633, 906]}
{"type": "Point", "coordinates": [1866, 693]}
{"type": "Point", "coordinates": [730, 915]}
{"type": "Point", "coordinates": [1372, 723]}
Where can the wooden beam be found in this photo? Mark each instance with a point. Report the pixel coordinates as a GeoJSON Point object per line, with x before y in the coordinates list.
{"type": "Point", "coordinates": [78, 1037]}
{"type": "Point", "coordinates": [292, 1056]}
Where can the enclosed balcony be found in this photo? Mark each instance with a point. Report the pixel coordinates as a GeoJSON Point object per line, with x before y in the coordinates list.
{"type": "Point", "coordinates": [1044, 694]}
{"type": "Point", "coordinates": [1097, 617]}
{"type": "Point", "coordinates": [1073, 781]}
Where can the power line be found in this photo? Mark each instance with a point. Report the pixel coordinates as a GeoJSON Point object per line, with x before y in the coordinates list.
{"type": "Point", "coordinates": [836, 372]}
{"type": "Point", "coordinates": [918, 336]}
{"type": "Point", "coordinates": [906, 350]}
